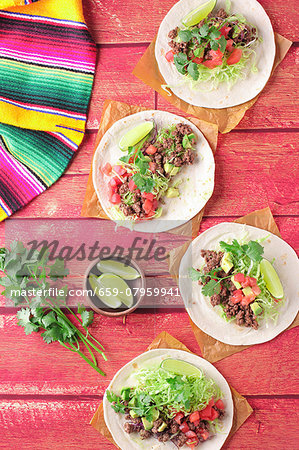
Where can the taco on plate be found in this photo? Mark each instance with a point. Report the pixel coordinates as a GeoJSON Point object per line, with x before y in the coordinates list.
{"type": "Point", "coordinates": [238, 283]}
{"type": "Point", "coordinates": [167, 399]}
{"type": "Point", "coordinates": [215, 54]}
{"type": "Point", "coordinates": [154, 167]}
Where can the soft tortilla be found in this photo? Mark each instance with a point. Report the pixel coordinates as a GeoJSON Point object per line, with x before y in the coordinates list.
{"type": "Point", "coordinates": [152, 359]}
{"type": "Point", "coordinates": [199, 307]}
{"type": "Point", "coordinates": [222, 97]}
{"type": "Point", "coordinates": [198, 179]}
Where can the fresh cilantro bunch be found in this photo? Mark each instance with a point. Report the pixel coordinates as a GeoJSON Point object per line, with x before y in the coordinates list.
{"type": "Point", "coordinates": [204, 35]}
{"type": "Point", "coordinates": [26, 271]}
{"type": "Point", "coordinates": [140, 163]}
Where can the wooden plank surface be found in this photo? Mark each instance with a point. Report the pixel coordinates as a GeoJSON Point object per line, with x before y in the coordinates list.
{"type": "Point", "coordinates": [63, 424]}
{"type": "Point", "coordinates": [136, 21]}
{"type": "Point", "coordinates": [48, 395]}
{"type": "Point", "coordinates": [44, 372]}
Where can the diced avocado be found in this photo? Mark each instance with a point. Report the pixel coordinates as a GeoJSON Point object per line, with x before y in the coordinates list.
{"type": "Point", "coordinates": [247, 291]}
{"type": "Point", "coordinates": [132, 402]}
{"type": "Point", "coordinates": [236, 283]}
{"type": "Point", "coordinates": [168, 167]}
{"type": "Point", "coordinates": [133, 414]}
{"type": "Point", "coordinates": [148, 424]}
{"type": "Point", "coordinates": [256, 308]}
{"type": "Point", "coordinates": [175, 171]}
{"type": "Point", "coordinates": [172, 193]}
{"type": "Point", "coordinates": [186, 140]}
{"type": "Point", "coordinates": [125, 394]}
{"type": "Point", "coordinates": [162, 427]}
{"type": "Point", "coordinates": [226, 262]}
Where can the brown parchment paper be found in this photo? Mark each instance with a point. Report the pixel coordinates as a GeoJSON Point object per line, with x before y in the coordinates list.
{"type": "Point", "coordinates": [242, 409]}
{"type": "Point", "coordinates": [211, 349]}
{"type": "Point", "coordinates": [227, 118]}
{"type": "Point", "coordinates": [114, 111]}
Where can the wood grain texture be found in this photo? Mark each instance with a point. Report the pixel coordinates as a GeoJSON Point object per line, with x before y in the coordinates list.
{"type": "Point", "coordinates": [114, 81]}
{"type": "Point", "coordinates": [136, 21]}
{"type": "Point", "coordinates": [63, 424]}
{"type": "Point", "coordinates": [277, 104]}
{"type": "Point", "coordinates": [52, 370]}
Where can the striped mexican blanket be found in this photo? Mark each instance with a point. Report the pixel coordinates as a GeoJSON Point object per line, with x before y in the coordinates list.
{"type": "Point", "coordinates": [47, 65]}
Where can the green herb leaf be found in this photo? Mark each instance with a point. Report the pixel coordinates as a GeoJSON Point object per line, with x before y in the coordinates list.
{"type": "Point", "coordinates": [204, 30]}
{"type": "Point", "coordinates": [180, 61]}
{"type": "Point", "coordinates": [194, 274]}
{"type": "Point", "coordinates": [145, 184]}
{"type": "Point", "coordinates": [197, 35]}
{"type": "Point", "coordinates": [211, 288]}
{"type": "Point", "coordinates": [193, 70]}
{"type": "Point", "coordinates": [87, 318]}
{"type": "Point", "coordinates": [185, 35]}
{"type": "Point", "coordinates": [58, 270]}
{"type": "Point", "coordinates": [222, 44]}
{"type": "Point", "coordinates": [24, 321]}
{"type": "Point", "coordinates": [214, 33]}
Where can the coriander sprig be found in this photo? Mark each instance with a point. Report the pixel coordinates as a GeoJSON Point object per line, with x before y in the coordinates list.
{"type": "Point", "coordinates": [24, 272]}
{"type": "Point", "coordinates": [212, 286]}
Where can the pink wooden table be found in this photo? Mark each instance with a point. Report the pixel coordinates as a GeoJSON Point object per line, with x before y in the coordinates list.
{"type": "Point", "coordinates": [48, 396]}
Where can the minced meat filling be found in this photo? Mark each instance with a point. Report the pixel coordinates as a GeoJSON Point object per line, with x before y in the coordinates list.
{"type": "Point", "coordinates": [244, 34]}
{"type": "Point", "coordinates": [172, 430]}
{"type": "Point", "coordinates": [243, 314]}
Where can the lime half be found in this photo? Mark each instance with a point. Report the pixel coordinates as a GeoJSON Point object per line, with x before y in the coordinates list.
{"type": "Point", "coordinates": [180, 367]}
{"type": "Point", "coordinates": [133, 136]}
{"type": "Point", "coordinates": [198, 14]}
{"type": "Point", "coordinates": [114, 282]}
{"type": "Point", "coordinates": [118, 268]}
{"type": "Point", "coordinates": [271, 279]}
{"type": "Point", "coordinates": [112, 301]}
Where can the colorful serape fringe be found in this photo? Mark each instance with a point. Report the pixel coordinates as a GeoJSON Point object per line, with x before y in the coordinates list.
{"type": "Point", "coordinates": [47, 65]}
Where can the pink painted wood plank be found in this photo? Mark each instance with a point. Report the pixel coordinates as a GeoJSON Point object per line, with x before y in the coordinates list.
{"type": "Point", "coordinates": [114, 81]}
{"type": "Point", "coordinates": [63, 424]}
{"type": "Point", "coordinates": [135, 21]}
{"type": "Point", "coordinates": [35, 368]}
{"type": "Point", "coordinates": [276, 106]}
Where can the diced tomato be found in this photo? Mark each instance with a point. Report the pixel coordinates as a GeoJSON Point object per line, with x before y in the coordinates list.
{"type": "Point", "coordinates": [205, 435]}
{"type": "Point", "coordinates": [239, 277]}
{"type": "Point", "coordinates": [216, 59]}
{"type": "Point", "coordinates": [256, 290]}
{"type": "Point", "coordinates": [252, 281]}
{"type": "Point", "coordinates": [234, 57]}
{"type": "Point", "coordinates": [178, 417]}
{"type": "Point", "coordinates": [148, 195]}
{"type": "Point", "coordinates": [114, 182]}
{"type": "Point", "coordinates": [107, 169]}
{"type": "Point", "coordinates": [194, 417]}
{"type": "Point", "coordinates": [155, 204]}
{"type": "Point", "coordinates": [197, 60]}
{"type": "Point", "coordinates": [132, 185]}
{"type": "Point", "coordinates": [152, 166]}
{"type": "Point", "coordinates": [147, 206]}
{"type": "Point", "coordinates": [115, 199]}
{"type": "Point", "coordinates": [151, 150]}
{"type": "Point", "coordinates": [191, 434]}
{"type": "Point", "coordinates": [196, 423]}
{"type": "Point", "coordinates": [224, 31]}
{"type": "Point", "coordinates": [247, 299]}
{"type": "Point", "coordinates": [206, 413]}
{"type": "Point", "coordinates": [150, 214]}
{"type": "Point", "coordinates": [229, 45]}
{"type": "Point", "coordinates": [119, 170]}
{"type": "Point", "coordinates": [214, 414]}
{"type": "Point", "coordinates": [192, 443]}
{"type": "Point", "coordinates": [184, 427]}
{"type": "Point", "coordinates": [219, 404]}
{"type": "Point", "coordinates": [169, 56]}
{"type": "Point", "coordinates": [246, 282]}
{"type": "Point", "coordinates": [237, 296]}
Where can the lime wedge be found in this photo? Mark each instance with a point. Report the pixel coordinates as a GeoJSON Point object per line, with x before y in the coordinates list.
{"type": "Point", "coordinates": [112, 301]}
{"type": "Point", "coordinates": [124, 292]}
{"type": "Point", "coordinates": [271, 279]}
{"type": "Point", "coordinates": [118, 268]}
{"type": "Point", "coordinates": [133, 136]}
{"type": "Point", "coordinates": [198, 14]}
{"type": "Point", "coordinates": [180, 367]}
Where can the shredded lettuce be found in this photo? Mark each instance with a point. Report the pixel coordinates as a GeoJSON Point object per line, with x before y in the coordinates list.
{"type": "Point", "coordinates": [171, 393]}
